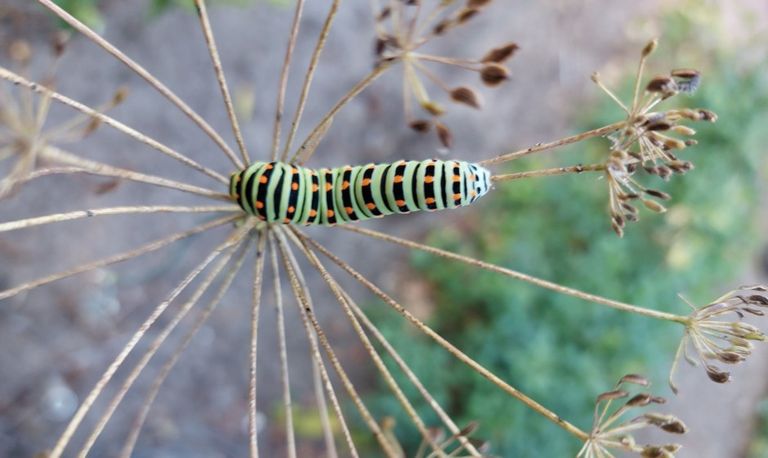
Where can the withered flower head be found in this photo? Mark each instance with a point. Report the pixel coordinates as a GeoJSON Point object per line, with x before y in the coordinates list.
{"type": "Point", "coordinates": [649, 141]}
{"type": "Point", "coordinates": [23, 114]}
{"type": "Point", "coordinates": [440, 443]}
{"type": "Point", "coordinates": [718, 335]}
{"type": "Point", "coordinates": [612, 431]}
{"type": "Point", "coordinates": [404, 27]}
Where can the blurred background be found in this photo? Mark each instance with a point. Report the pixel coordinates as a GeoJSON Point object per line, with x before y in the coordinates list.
{"type": "Point", "coordinates": [57, 340]}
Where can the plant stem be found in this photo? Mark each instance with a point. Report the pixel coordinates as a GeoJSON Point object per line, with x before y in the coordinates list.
{"type": "Point", "coordinates": [605, 130]}
{"type": "Point", "coordinates": [301, 155]}
{"type": "Point", "coordinates": [549, 172]}
{"type": "Point", "coordinates": [521, 276]}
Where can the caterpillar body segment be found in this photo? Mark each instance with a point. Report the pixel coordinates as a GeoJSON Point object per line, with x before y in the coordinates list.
{"type": "Point", "coordinates": [278, 192]}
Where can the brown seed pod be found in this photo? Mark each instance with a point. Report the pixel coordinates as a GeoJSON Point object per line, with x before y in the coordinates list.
{"type": "Point", "coordinates": [466, 96]}
{"type": "Point", "coordinates": [421, 126]}
{"type": "Point", "coordinates": [466, 14]}
{"type": "Point", "coordinates": [477, 3]}
{"type": "Point", "coordinates": [494, 74]}
{"type": "Point", "coordinates": [444, 134]}
{"type": "Point", "coordinates": [59, 43]}
{"type": "Point", "coordinates": [500, 54]}
{"type": "Point", "coordinates": [661, 84]}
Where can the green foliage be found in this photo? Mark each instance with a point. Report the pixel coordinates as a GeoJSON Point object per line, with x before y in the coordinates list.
{"type": "Point", "coordinates": [85, 10]}
{"type": "Point", "coordinates": [560, 350]}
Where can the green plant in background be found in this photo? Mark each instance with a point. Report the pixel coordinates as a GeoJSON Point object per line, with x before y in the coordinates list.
{"type": "Point", "coordinates": [561, 349]}
{"type": "Point", "coordinates": [85, 10]}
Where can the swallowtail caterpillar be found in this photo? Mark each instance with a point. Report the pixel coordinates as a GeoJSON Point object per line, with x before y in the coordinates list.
{"type": "Point", "coordinates": [278, 192]}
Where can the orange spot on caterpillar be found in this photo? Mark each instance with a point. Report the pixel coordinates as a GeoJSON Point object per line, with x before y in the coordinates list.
{"type": "Point", "coordinates": [259, 204]}
{"type": "Point", "coordinates": [371, 206]}
{"type": "Point", "coordinates": [366, 181]}
{"type": "Point", "coordinates": [398, 179]}
{"type": "Point", "coordinates": [400, 203]}
{"type": "Point", "coordinates": [328, 187]}
{"type": "Point", "coordinates": [350, 210]}
{"type": "Point", "coordinates": [312, 213]}
{"type": "Point", "coordinates": [429, 179]}
{"type": "Point", "coordinates": [287, 220]}
{"type": "Point", "coordinates": [457, 197]}
{"type": "Point", "coordinates": [263, 180]}
{"type": "Point", "coordinates": [268, 167]}
{"type": "Point", "coordinates": [330, 213]}
{"type": "Point", "coordinates": [291, 209]}
{"type": "Point", "coordinates": [430, 200]}
{"type": "Point", "coordinates": [345, 186]}
{"type": "Point", "coordinates": [456, 178]}
{"type": "Point", "coordinates": [315, 187]}
{"type": "Point", "coordinates": [295, 186]}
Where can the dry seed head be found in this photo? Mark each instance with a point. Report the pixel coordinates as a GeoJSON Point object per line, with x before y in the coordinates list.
{"type": "Point", "coordinates": [401, 34]}
{"type": "Point", "coordinates": [120, 95]}
{"type": "Point", "coordinates": [650, 48]}
{"type": "Point", "coordinates": [612, 426]}
{"type": "Point", "coordinates": [421, 126]}
{"type": "Point", "coordinates": [466, 14]}
{"type": "Point", "coordinates": [663, 451]}
{"type": "Point", "coordinates": [466, 96]}
{"type": "Point", "coordinates": [500, 54]}
{"type": "Point", "coordinates": [688, 80]}
{"type": "Point", "coordinates": [662, 84]}
{"type": "Point", "coordinates": [444, 134]}
{"type": "Point", "coordinates": [654, 206]}
{"type": "Point", "coordinates": [59, 43]}
{"type": "Point", "coordinates": [494, 74]}
{"type": "Point", "coordinates": [715, 339]}
{"type": "Point", "coordinates": [646, 141]}
{"type": "Point", "coordinates": [635, 379]}
{"type": "Point", "coordinates": [27, 136]}
{"type": "Point", "coordinates": [477, 4]}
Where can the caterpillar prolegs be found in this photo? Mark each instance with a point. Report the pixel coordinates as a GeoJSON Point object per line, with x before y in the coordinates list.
{"type": "Point", "coordinates": [278, 192]}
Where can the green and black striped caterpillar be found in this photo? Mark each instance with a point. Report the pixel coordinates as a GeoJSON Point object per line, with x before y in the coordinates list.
{"type": "Point", "coordinates": [278, 192]}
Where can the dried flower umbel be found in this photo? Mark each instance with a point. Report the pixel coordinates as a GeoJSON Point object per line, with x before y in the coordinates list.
{"type": "Point", "coordinates": [612, 431]}
{"type": "Point", "coordinates": [403, 28]}
{"type": "Point", "coordinates": [716, 340]}
{"type": "Point", "coordinates": [648, 140]}
{"type": "Point", "coordinates": [23, 115]}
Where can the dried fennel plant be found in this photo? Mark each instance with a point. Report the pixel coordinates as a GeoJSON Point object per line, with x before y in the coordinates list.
{"type": "Point", "coordinates": [646, 142]}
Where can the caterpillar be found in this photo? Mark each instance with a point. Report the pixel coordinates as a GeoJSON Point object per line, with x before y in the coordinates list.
{"type": "Point", "coordinates": [278, 192]}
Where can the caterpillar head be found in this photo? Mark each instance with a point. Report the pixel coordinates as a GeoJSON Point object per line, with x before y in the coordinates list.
{"type": "Point", "coordinates": [480, 183]}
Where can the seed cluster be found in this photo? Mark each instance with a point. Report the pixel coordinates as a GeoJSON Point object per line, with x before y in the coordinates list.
{"type": "Point", "coordinates": [611, 431]}
{"type": "Point", "coordinates": [715, 340]}
{"type": "Point", "coordinates": [401, 33]}
{"type": "Point", "coordinates": [23, 136]}
{"type": "Point", "coordinates": [649, 141]}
